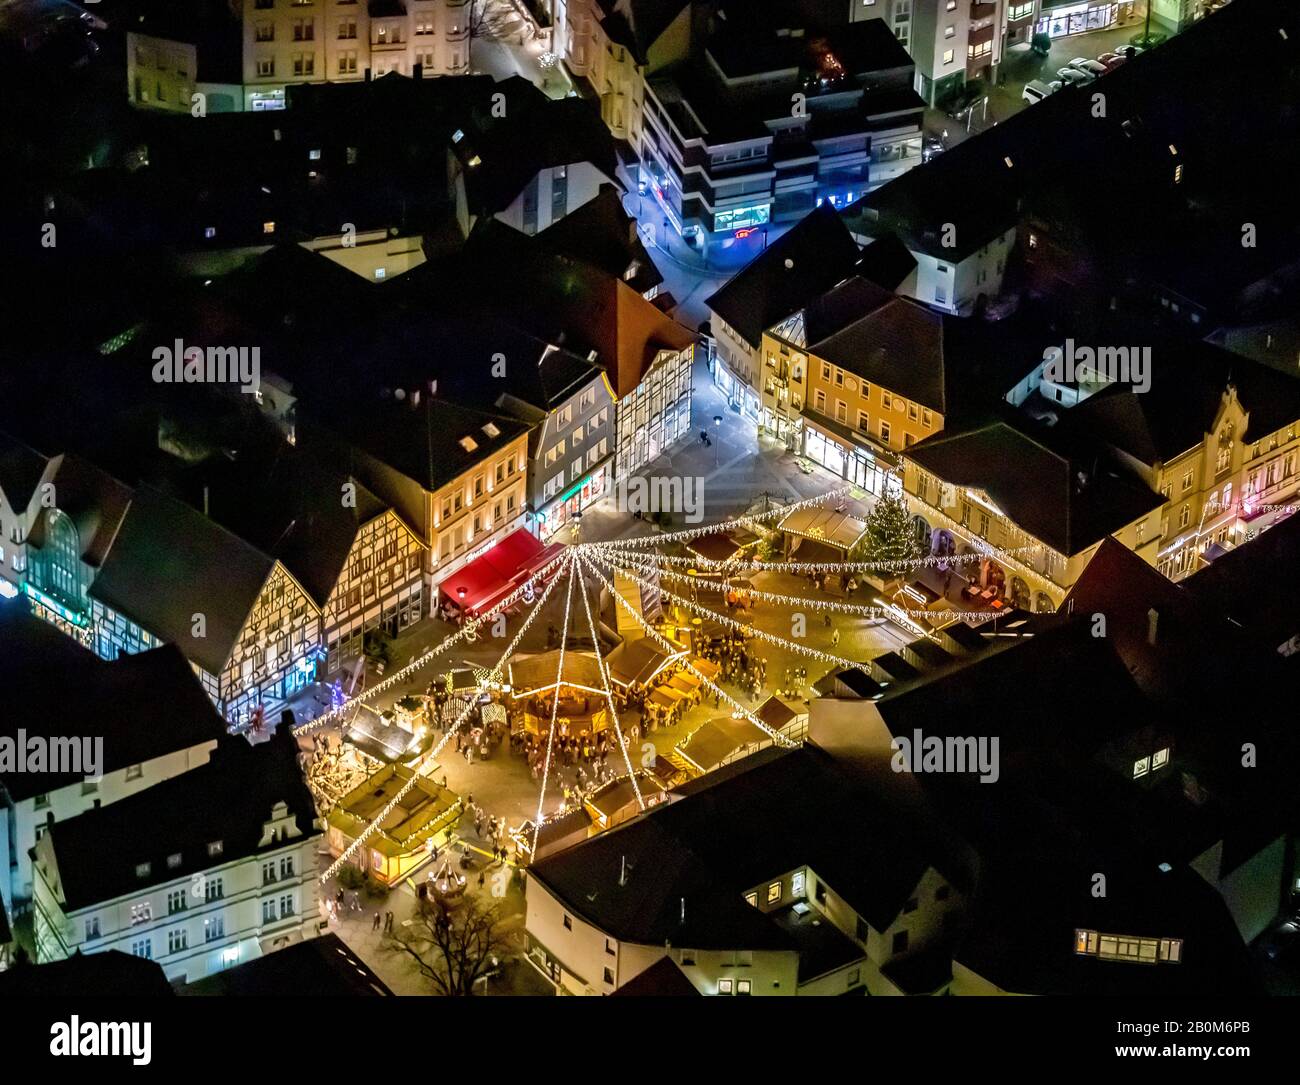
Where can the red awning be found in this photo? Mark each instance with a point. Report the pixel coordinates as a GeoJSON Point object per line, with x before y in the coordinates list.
{"type": "Point", "coordinates": [493, 575]}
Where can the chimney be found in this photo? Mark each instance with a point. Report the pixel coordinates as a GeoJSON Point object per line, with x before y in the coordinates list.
{"type": "Point", "coordinates": [1153, 622]}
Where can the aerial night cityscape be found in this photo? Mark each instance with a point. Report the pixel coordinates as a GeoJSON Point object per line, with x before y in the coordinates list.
{"type": "Point", "coordinates": [654, 498]}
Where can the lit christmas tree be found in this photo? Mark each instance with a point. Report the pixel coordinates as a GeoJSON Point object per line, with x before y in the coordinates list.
{"type": "Point", "coordinates": [889, 536]}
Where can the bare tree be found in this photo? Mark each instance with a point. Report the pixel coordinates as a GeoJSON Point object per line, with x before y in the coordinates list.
{"type": "Point", "coordinates": [453, 948]}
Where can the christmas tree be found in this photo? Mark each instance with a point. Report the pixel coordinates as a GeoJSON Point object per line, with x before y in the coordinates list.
{"type": "Point", "coordinates": [889, 536]}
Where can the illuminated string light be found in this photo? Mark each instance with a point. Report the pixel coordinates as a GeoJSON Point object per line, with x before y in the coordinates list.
{"type": "Point", "coordinates": [932, 560]}
{"type": "Point", "coordinates": [748, 520]}
{"type": "Point", "coordinates": [555, 705]}
{"type": "Point", "coordinates": [664, 643]}
{"type": "Point", "coordinates": [428, 758]}
{"type": "Point", "coordinates": [470, 628]}
{"type": "Point", "coordinates": [762, 634]}
{"type": "Point", "coordinates": [859, 609]}
{"type": "Point", "coordinates": [609, 693]}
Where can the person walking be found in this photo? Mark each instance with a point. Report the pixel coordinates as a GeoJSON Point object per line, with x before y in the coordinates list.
{"type": "Point", "coordinates": [835, 639]}
{"type": "Point", "coordinates": [375, 925]}
{"type": "Point", "coordinates": [388, 923]}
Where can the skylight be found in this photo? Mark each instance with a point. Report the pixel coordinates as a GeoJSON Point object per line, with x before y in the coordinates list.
{"type": "Point", "coordinates": [468, 444]}
{"type": "Point", "coordinates": [491, 429]}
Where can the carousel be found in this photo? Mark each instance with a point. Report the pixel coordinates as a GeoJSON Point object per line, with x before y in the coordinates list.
{"type": "Point", "coordinates": [538, 681]}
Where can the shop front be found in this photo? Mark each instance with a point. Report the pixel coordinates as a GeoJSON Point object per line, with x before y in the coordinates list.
{"type": "Point", "coordinates": [560, 512]}
{"type": "Point", "coordinates": [849, 458]}
{"type": "Point", "coordinates": [740, 396]}
{"type": "Point", "coordinates": [1080, 17]}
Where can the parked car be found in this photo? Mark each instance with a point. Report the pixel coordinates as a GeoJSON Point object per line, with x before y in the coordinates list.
{"type": "Point", "coordinates": [1111, 61]}
{"type": "Point", "coordinates": [1035, 91]}
{"type": "Point", "coordinates": [1056, 85]}
{"type": "Point", "coordinates": [1090, 66]}
{"type": "Point", "coordinates": [1074, 75]}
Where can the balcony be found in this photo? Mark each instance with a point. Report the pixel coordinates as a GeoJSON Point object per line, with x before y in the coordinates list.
{"type": "Point", "coordinates": [982, 13]}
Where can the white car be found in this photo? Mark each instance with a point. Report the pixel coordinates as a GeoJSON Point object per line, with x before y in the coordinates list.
{"type": "Point", "coordinates": [1075, 75]}
{"type": "Point", "coordinates": [1092, 67]}
{"type": "Point", "coordinates": [1035, 91]}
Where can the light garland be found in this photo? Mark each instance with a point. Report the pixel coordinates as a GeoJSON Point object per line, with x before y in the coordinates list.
{"type": "Point", "coordinates": [762, 634]}
{"type": "Point", "coordinates": [609, 693]}
{"type": "Point", "coordinates": [428, 758]}
{"type": "Point", "coordinates": [555, 707]}
{"type": "Point", "coordinates": [467, 631]}
{"type": "Point", "coordinates": [664, 643]}
{"type": "Point", "coordinates": [746, 521]}
{"type": "Point", "coordinates": [932, 560]}
{"type": "Point", "coordinates": [860, 609]}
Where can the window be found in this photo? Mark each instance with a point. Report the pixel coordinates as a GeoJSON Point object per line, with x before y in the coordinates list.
{"type": "Point", "coordinates": [568, 923]}
{"type": "Point", "coordinates": [304, 64]}
{"type": "Point", "coordinates": [213, 889]}
{"type": "Point", "coordinates": [751, 899]}
{"type": "Point", "coordinates": [214, 928]}
{"type": "Point", "coordinates": [743, 987]}
{"type": "Point", "coordinates": [609, 977]}
{"type": "Point", "coordinates": [1184, 517]}
{"type": "Point", "coordinates": [264, 32]}
{"type": "Point", "coordinates": [886, 400]}
{"type": "Point", "coordinates": [143, 870]}
{"type": "Point", "coordinates": [265, 67]}
{"type": "Point", "coordinates": [884, 432]}
{"type": "Point", "coordinates": [176, 901]}
{"type": "Point", "coordinates": [286, 866]}
{"type": "Point", "coordinates": [92, 927]}
{"type": "Point", "coordinates": [725, 987]}
{"type": "Point", "coordinates": [948, 55]}
{"type": "Point", "coordinates": [286, 906]}
{"type": "Point", "coordinates": [142, 947]}
{"type": "Point", "coordinates": [214, 849]}
{"type": "Point", "coordinates": [799, 883]}
{"type": "Point", "coordinates": [268, 911]}
{"type": "Point", "coordinates": [347, 29]}
{"type": "Point", "coordinates": [1160, 758]}
{"type": "Point", "coordinates": [348, 63]}
{"type": "Point", "coordinates": [949, 31]}
{"type": "Point", "coordinates": [773, 892]}
{"type": "Point", "coordinates": [304, 29]}
{"type": "Point", "coordinates": [1141, 767]}
{"type": "Point", "coordinates": [141, 913]}
{"type": "Point", "coordinates": [1187, 481]}
{"type": "Point", "coordinates": [177, 940]}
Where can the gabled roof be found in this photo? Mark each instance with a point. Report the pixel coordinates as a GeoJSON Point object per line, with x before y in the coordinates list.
{"type": "Point", "coordinates": [168, 563]}
{"type": "Point", "coordinates": [690, 861]}
{"type": "Point", "coordinates": [323, 967]}
{"type": "Point", "coordinates": [638, 24]}
{"type": "Point", "coordinates": [663, 979]}
{"type": "Point", "coordinates": [1059, 494]}
{"type": "Point", "coordinates": [228, 800]}
{"type": "Point", "coordinates": [91, 498]}
{"type": "Point", "coordinates": [143, 706]}
{"type": "Point", "coordinates": [21, 469]}
{"type": "Point", "coordinates": [603, 234]}
{"type": "Point", "coordinates": [808, 259]}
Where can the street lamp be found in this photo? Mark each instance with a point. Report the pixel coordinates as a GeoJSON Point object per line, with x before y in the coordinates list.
{"type": "Point", "coordinates": [717, 432]}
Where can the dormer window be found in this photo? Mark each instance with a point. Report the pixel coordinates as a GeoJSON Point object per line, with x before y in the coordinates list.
{"type": "Point", "coordinates": [173, 861]}
{"type": "Point", "coordinates": [468, 444]}
{"type": "Point", "coordinates": [143, 870]}
{"type": "Point", "coordinates": [215, 848]}
{"type": "Point", "coordinates": [491, 430]}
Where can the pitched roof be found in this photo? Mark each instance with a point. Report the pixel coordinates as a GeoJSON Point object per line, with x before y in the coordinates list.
{"type": "Point", "coordinates": [323, 967]}
{"type": "Point", "coordinates": [638, 24]}
{"type": "Point", "coordinates": [228, 801]}
{"type": "Point", "coordinates": [809, 258]}
{"type": "Point", "coordinates": [603, 234]}
{"type": "Point", "coordinates": [692, 860]}
{"type": "Point", "coordinates": [663, 979]}
{"type": "Point", "coordinates": [143, 706]}
{"type": "Point", "coordinates": [169, 563]}
{"type": "Point", "coordinates": [110, 974]}
{"type": "Point", "coordinates": [1058, 494]}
